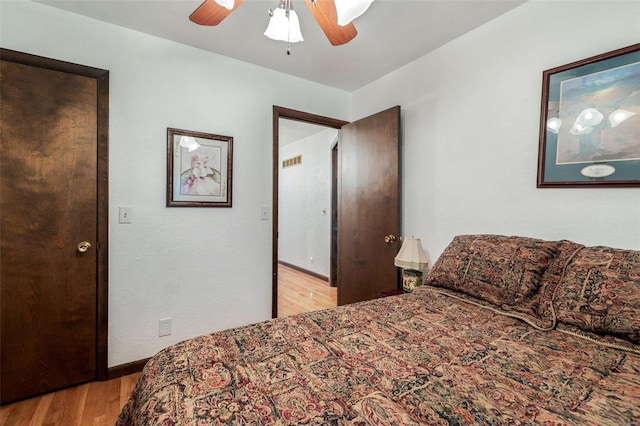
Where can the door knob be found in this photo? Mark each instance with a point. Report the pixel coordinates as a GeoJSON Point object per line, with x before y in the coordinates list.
{"type": "Point", "coordinates": [390, 238]}
{"type": "Point", "coordinates": [84, 246]}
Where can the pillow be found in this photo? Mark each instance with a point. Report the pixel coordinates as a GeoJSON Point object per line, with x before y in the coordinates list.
{"type": "Point", "coordinates": [507, 272]}
{"type": "Point", "coordinates": [600, 292]}
{"type": "Point", "coordinates": [495, 268]}
{"type": "Point", "coordinates": [541, 304]}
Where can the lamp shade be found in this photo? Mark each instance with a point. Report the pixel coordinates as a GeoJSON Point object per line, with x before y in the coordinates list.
{"type": "Point", "coordinates": [283, 28]}
{"type": "Point", "coordinates": [411, 255]}
{"type": "Point", "coordinates": [348, 10]}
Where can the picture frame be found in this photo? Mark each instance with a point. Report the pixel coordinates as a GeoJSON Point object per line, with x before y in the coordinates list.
{"type": "Point", "coordinates": [199, 169]}
{"type": "Point", "coordinates": [590, 122]}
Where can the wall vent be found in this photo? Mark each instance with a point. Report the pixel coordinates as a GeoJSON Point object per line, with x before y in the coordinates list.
{"type": "Point", "coordinates": [293, 161]}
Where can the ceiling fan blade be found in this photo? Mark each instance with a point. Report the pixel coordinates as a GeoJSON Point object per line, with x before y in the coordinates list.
{"type": "Point", "coordinates": [325, 13]}
{"type": "Point", "coordinates": [211, 13]}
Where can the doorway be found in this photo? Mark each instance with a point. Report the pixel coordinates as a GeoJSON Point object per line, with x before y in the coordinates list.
{"type": "Point", "coordinates": [306, 270]}
{"type": "Point", "coordinates": [368, 203]}
{"type": "Point", "coordinates": [304, 216]}
{"type": "Point", "coordinates": [54, 224]}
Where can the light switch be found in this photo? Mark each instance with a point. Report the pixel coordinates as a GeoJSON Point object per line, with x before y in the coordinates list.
{"type": "Point", "coordinates": [125, 215]}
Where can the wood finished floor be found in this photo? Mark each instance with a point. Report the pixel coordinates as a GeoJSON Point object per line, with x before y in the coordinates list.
{"type": "Point", "coordinates": [299, 292]}
{"type": "Point", "coordinates": [99, 403]}
{"type": "Point", "coordinates": [94, 404]}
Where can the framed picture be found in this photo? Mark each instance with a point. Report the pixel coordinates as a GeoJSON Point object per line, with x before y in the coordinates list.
{"type": "Point", "coordinates": [590, 122]}
{"type": "Point", "coordinates": [199, 167]}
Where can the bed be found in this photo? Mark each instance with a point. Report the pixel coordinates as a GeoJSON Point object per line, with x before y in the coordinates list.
{"type": "Point", "coordinates": [507, 331]}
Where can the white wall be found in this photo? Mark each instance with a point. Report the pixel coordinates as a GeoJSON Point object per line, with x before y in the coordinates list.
{"type": "Point", "coordinates": [208, 269]}
{"type": "Point", "coordinates": [470, 128]}
{"type": "Point", "coordinates": [304, 203]}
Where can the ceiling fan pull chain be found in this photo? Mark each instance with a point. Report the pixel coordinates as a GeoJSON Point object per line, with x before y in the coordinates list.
{"type": "Point", "coordinates": [288, 27]}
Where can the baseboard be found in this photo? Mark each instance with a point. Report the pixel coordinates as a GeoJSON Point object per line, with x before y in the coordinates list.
{"type": "Point", "coordinates": [297, 268]}
{"type": "Point", "coordinates": [126, 369]}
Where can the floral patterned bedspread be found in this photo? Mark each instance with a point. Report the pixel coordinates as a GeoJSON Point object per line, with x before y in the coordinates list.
{"type": "Point", "coordinates": [420, 358]}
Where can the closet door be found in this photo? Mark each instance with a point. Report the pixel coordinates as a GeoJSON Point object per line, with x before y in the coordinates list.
{"type": "Point", "coordinates": [48, 230]}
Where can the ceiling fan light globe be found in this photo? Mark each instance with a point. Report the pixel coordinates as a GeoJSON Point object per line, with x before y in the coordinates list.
{"type": "Point", "coordinates": [281, 28]}
{"type": "Point", "coordinates": [348, 10]}
{"type": "Point", "coordinates": [295, 33]}
{"type": "Point", "coordinates": [226, 3]}
{"type": "Point", "coordinates": [277, 28]}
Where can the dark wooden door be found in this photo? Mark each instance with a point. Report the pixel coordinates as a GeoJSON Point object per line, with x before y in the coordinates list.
{"type": "Point", "coordinates": [369, 199]}
{"type": "Point", "coordinates": [49, 204]}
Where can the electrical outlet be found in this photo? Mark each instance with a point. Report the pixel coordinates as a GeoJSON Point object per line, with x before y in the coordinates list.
{"type": "Point", "coordinates": [125, 215]}
{"type": "Point", "coordinates": [164, 328]}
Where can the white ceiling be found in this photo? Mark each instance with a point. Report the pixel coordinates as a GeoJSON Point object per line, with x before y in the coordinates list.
{"type": "Point", "coordinates": [391, 33]}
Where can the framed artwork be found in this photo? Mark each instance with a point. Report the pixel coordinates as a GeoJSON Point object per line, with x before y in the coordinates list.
{"type": "Point", "coordinates": [199, 169]}
{"type": "Point", "coordinates": [590, 122]}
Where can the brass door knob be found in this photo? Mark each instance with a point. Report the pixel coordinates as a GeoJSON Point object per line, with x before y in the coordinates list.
{"type": "Point", "coordinates": [390, 238]}
{"type": "Point", "coordinates": [84, 246]}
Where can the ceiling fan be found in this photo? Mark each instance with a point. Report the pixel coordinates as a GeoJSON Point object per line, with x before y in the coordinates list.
{"type": "Point", "coordinates": [333, 16]}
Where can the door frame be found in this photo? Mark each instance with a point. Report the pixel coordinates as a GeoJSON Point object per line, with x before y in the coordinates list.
{"type": "Point", "coordinates": [305, 117]}
{"type": "Point", "coordinates": [102, 238]}
{"type": "Point", "coordinates": [333, 261]}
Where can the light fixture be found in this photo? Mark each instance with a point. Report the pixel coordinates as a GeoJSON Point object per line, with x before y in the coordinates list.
{"type": "Point", "coordinates": [284, 24]}
{"type": "Point", "coordinates": [412, 258]}
{"type": "Point", "coordinates": [348, 10]}
{"type": "Point", "coordinates": [226, 3]}
{"type": "Point", "coordinates": [334, 20]}
{"type": "Point", "coordinates": [190, 143]}
{"type": "Point", "coordinates": [618, 116]}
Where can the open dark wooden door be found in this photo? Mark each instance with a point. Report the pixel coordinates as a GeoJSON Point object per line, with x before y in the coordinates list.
{"type": "Point", "coordinates": [369, 200]}
{"type": "Point", "coordinates": [53, 185]}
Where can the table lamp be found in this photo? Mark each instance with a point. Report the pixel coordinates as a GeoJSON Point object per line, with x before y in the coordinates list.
{"type": "Point", "coordinates": [411, 258]}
